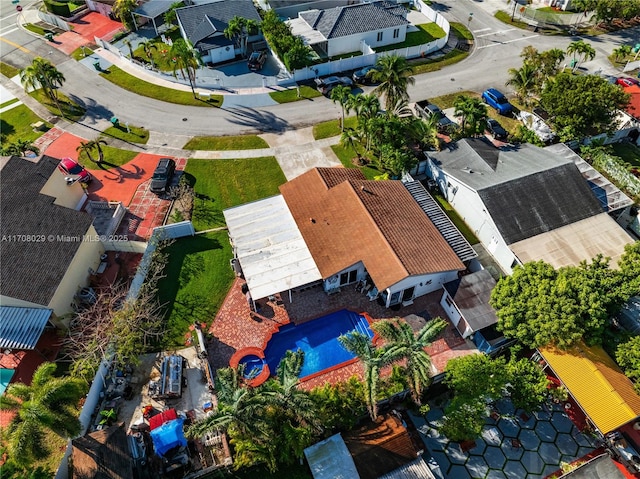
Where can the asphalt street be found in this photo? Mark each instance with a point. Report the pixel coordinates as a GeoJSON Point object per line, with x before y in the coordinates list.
{"type": "Point", "coordinates": [497, 49]}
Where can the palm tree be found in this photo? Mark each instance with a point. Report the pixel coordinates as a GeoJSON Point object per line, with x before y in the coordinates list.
{"type": "Point", "coordinates": [622, 51]}
{"type": "Point", "coordinates": [127, 42]}
{"type": "Point", "coordinates": [342, 94]}
{"type": "Point", "coordinates": [46, 405]}
{"type": "Point", "coordinates": [394, 76]}
{"type": "Point", "coordinates": [424, 131]}
{"type": "Point", "coordinates": [239, 29]}
{"type": "Point", "coordinates": [411, 346]}
{"type": "Point", "coordinates": [350, 139]}
{"type": "Point", "coordinates": [170, 15]}
{"type": "Point", "coordinates": [365, 106]}
{"type": "Point", "coordinates": [523, 79]}
{"type": "Point", "coordinates": [43, 74]}
{"type": "Point", "coordinates": [581, 52]}
{"type": "Point", "coordinates": [472, 111]}
{"type": "Point", "coordinates": [19, 147]}
{"type": "Point", "coordinates": [122, 9]}
{"type": "Point", "coordinates": [187, 59]}
{"type": "Point", "coordinates": [147, 46]}
{"type": "Point", "coordinates": [372, 359]}
{"type": "Point", "coordinates": [87, 148]}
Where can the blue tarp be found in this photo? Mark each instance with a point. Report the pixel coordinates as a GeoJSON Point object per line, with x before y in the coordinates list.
{"type": "Point", "coordinates": [168, 436]}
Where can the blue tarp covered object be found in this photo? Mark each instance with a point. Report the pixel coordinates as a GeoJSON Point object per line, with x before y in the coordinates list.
{"type": "Point", "coordinates": [168, 436]}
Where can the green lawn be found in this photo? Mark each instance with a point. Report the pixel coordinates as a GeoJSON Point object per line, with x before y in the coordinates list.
{"type": "Point", "coordinates": [461, 31]}
{"type": "Point", "coordinates": [136, 134]}
{"type": "Point", "coordinates": [628, 152]}
{"type": "Point", "coordinates": [68, 108]}
{"type": "Point", "coordinates": [36, 29]}
{"type": "Point", "coordinates": [160, 55]}
{"type": "Point", "coordinates": [198, 277]}
{"type": "Point", "coordinates": [330, 128]}
{"type": "Point", "coordinates": [220, 184]}
{"type": "Point", "coordinates": [16, 124]}
{"type": "Point", "coordinates": [82, 52]}
{"type": "Point", "coordinates": [426, 65]}
{"type": "Point", "coordinates": [134, 84]}
{"type": "Point", "coordinates": [446, 101]}
{"type": "Point", "coordinates": [8, 70]}
{"type": "Point", "coordinates": [290, 95]}
{"type": "Point", "coordinates": [112, 157]}
{"type": "Point", "coordinates": [346, 156]}
{"type": "Point", "coordinates": [554, 11]}
{"type": "Point", "coordinates": [8, 102]}
{"type": "Point", "coordinates": [455, 218]}
{"type": "Point", "coordinates": [506, 18]}
{"type": "Point", "coordinates": [225, 143]}
{"type": "Point", "coordinates": [198, 274]}
{"type": "Point", "coordinates": [427, 33]}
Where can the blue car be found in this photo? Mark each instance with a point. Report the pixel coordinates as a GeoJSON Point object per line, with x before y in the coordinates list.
{"type": "Point", "coordinates": [497, 101]}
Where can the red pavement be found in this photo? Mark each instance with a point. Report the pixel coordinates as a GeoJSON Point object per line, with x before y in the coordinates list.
{"type": "Point", "coordinates": [84, 30]}
{"type": "Point", "coordinates": [127, 183]}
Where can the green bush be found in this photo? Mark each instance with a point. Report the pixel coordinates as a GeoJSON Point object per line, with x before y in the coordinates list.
{"type": "Point", "coordinates": [293, 52]}
{"type": "Point", "coordinates": [58, 8]}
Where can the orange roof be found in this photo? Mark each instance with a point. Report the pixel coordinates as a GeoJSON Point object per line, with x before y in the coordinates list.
{"type": "Point", "coordinates": [345, 218]}
{"type": "Point", "coordinates": [634, 104]}
{"type": "Point", "coordinates": [596, 383]}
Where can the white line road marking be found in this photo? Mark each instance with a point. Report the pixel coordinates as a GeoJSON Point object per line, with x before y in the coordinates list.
{"type": "Point", "coordinates": [4, 32]}
{"type": "Point", "coordinates": [496, 33]}
{"type": "Point", "coordinates": [508, 41]}
{"type": "Point", "coordinates": [482, 30]}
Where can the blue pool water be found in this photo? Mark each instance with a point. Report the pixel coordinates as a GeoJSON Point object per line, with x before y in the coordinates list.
{"type": "Point", "coordinates": [318, 339]}
{"type": "Point", "coordinates": [253, 366]}
{"type": "Point", "coordinates": [5, 378]}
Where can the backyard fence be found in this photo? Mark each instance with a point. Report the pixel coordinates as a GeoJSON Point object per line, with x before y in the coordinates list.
{"type": "Point", "coordinates": [553, 18]}
{"type": "Point", "coordinates": [54, 20]}
{"type": "Point", "coordinates": [630, 66]}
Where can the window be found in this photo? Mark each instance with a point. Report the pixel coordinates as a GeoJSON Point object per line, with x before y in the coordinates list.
{"type": "Point", "coordinates": [448, 300]}
{"type": "Point", "coordinates": [396, 33]}
{"type": "Point", "coordinates": [379, 39]}
{"type": "Point", "coordinates": [348, 277]}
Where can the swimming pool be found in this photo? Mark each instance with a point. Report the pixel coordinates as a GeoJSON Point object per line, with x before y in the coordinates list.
{"type": "Point", "coordinates": [5, 379]}
{"type": "Point", "coordinates": [318, 339]}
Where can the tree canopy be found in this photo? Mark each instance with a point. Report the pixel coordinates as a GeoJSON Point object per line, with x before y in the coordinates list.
{"type": "Point", "coordinates": [539, 305]}
{"type": "Point", "coordinates": [580, 105]}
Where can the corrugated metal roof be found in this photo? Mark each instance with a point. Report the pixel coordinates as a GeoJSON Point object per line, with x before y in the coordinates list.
{"type": "Point", "coordinates": [601, 389]}
{"type": "Point", "coordinates": [330, 459]}
{"type": "Point", "coordinates": [272, 252]}
{"type": "Point", "coordinates": [21, 328]}
{"type": "Point", "coordinates": [417, 469]}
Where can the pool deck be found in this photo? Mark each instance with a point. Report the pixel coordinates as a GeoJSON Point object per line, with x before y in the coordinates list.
{"type": "Point", "coordinates": [236, 327]}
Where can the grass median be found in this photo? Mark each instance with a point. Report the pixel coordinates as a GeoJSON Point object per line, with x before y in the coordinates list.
{"type": "Point", "coordinates": [225, 143]}
{"type": "Point", "coordinates": [291, 95]}
{"type": "Point", "coordinates": [140, 87]}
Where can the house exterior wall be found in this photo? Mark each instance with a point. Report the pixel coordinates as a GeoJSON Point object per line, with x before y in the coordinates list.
{"type": "Point", "coordinates": [217, 55]}
{"type": "Point", "coordinates": [70, 196]}
{"type": "Point", "coordinates": [423, 284]}
{"type": "Point", "coordinates": [341, 45]}
{"type": "Point", "coordinates": [449, 305]}
{"type": "Point", "coordinates": [101, 8]}
{"type": "Point", "coordinates": [334, 281]}
{"type": "Point", "coordinates": [77, 275]}
{"type": "Point", "coordinates": [472, 210]}
{"type": "Point", "coordinates": [9, 301]}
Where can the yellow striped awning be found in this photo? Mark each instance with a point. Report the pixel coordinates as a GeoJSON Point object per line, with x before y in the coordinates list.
{"type": "Point", "coordinates": [597, 384]}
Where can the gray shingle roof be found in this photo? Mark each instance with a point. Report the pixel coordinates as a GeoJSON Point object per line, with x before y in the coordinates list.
{"type": "Point", "coordinates": [153, 8]}
{"type": "Point", "coordinates": [21, 328]}
{"type": "Point", "coordinates": [354, 19]}
{"type": "Point", "coordinates": [32, 270]}
{"type": "Point", "coordinates": [527, 190]}
{"type": "Point", "coordinates": [215, 16]}
{"type": "Point", "coordinates": [471, 294]}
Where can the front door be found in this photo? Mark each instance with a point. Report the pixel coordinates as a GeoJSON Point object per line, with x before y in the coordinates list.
{"type": "Point", "coordinates": [407, 294]}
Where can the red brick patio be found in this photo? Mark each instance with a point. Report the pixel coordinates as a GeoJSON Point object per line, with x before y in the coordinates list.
{"type": "Point", "coordinates": [235, 327]}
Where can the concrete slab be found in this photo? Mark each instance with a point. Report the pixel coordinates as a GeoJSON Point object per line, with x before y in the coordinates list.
{"type": "Point", "coordinates": [294, 164]}
{"type": "Point", "coordinates": [5, 95]}
{"type": "Point", "coordinates": [300, 136]}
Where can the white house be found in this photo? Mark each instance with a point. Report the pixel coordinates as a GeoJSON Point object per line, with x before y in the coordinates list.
{"type": "Point", "coordinates": [333, 227]}
{"type": "Point", "coordinates": [204, 25]}
{"type": "Point", "coordinates": [342, 29]}
{"type": "Point", "coordinates": [525, 195]}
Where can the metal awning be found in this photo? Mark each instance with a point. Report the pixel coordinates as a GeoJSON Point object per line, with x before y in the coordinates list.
{"type": "Point", "coordinates": [271, 250]}
{"type": "Point", "coordinates": [21, 328]}
{"type": "Point", "coordinates": [330, 459]}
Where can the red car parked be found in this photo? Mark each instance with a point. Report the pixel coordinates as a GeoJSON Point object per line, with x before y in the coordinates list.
{"type": "Point", "coordinates": [74, 171]}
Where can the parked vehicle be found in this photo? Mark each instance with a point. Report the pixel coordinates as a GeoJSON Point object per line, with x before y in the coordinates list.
{"type": "Point", "coordinates": [162, 175]}
{"type": "Point", "coordinates": [74, 171]}
{"type": "Point", "coordinates": [425, 109]}
{"type": "Point", "coordinates": [257, 60]}
{"type": "Point", "coordinates": [626, 82]}
{"type": "Point", "coordinates": [325, 85]}
{"type": "Point", "coordinates": [495, 130]}
{"type": "Point", "coordinates": [497, 100]}
{"type": "Point", "coordinates": [364, 76]}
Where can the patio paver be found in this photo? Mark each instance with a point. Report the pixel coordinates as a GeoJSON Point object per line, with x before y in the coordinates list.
{"type": "Point", "coordinates": [508, 427]}
{"type": "Point", "coordinates": [514, 470]}
{"type": "Point", "coordinates": [561, 422]}
{"type": "Point", "coordinates": [532, 462]}
{"type": "Point", "coordinates": [491, 436]}
{"type": "Point", "coordinates": [442, 459]}
{"type": "Point", "coordinates": [529, 440]}
{"type": "Point", "coordinates": [496, 474]}
{"type": "Point", "coordinates": [458, 472]}
{"type": "Point", "coordinates": [566, 444]}
{"type": "Point", "coordinates": [511, 453]}
{"type": "Point", "coordinates": [495, 457]}
{"type": "Point", "coordinates": [455, 454]}
{"type": "Point", "coordinates": [477, 467]}
{"type": "Point", "coordinates": [545, 431]}
{"type": "Point", "coordinates": [549, 453]}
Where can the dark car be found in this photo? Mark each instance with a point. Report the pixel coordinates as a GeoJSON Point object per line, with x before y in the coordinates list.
{"type": "Point", "coordinates": [425, 109]}
{"type": "Point", "coordinates": [257, 60]}
{"type": "Point", "coordinates": [495, 130]}
{"type": "Point", "coordinates": [162, 175]}
{"type": "Point", "coordinates": [497, 100]}
{"type": "Point", "coordinates": [364, 76]}
{"type": "Point", "coordinates": [325, 85]}
{"type": "Point", "coordinates": [74, 171]}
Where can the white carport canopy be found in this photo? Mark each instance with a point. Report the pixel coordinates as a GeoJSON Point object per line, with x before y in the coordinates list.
{"type": "Point", "coordinates": [330, 459]}
{"type": "Point", "coordinates": [300, 28]}
{"type": "Point", "coordinates": [267, 242]}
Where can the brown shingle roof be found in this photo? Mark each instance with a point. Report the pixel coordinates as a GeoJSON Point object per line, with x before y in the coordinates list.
{"type": "Point", "coordinates": [345, 218]}
{"type": "Point", "coordinates": [102, 455]}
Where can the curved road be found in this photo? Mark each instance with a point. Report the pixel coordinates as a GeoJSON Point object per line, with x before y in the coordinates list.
{"type": "Point", "coordinates": [497, 49]}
